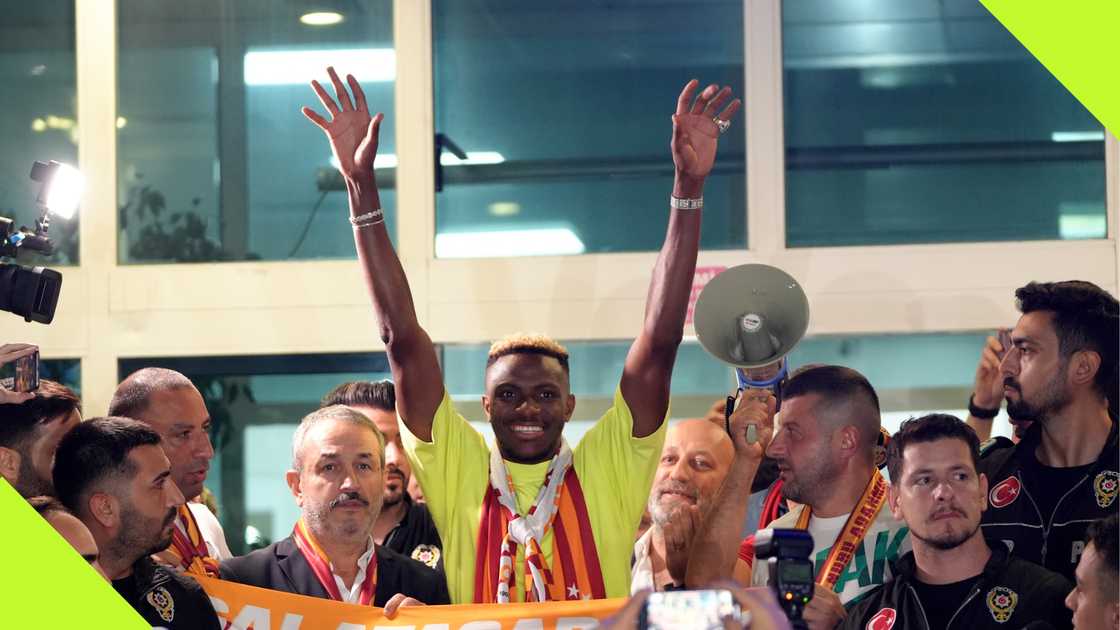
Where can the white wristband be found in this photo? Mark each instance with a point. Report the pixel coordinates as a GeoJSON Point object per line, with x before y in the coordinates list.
{"type": "Point", "coordinates": [370, 218]}
{"type": "Point", "coordinates": [677, 203]}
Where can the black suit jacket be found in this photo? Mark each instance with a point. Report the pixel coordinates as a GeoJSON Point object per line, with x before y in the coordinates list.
{"type": "Point", "coordinates": [282, 567]}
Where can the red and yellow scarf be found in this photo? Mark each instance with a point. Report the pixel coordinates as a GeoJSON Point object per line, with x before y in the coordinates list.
{"type": "Point", "coordinates": [855, 528]}
{"type": "Point", "coordinates": [575, 573]}
{"type": "Point", "coordinates": [189, 548]}
{"type": "Point", "coordinates": [321, 566]}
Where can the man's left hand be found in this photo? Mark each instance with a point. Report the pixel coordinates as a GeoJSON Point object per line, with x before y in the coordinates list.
{"type": "Point", "coordinates": [696, 132]}
{"type": "Point", "coordinates": [678, 533]}
{"type": "Point", "coordinates": [398, 601]}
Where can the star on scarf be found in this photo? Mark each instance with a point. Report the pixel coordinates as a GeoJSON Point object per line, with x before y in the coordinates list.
{"type": "Point", "coordinates": [573, 592]}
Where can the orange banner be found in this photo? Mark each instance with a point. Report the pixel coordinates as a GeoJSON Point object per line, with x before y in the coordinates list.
{"type": "Point", "coordinates": [247, 607]}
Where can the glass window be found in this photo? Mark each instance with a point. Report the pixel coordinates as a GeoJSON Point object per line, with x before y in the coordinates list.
{"type": "Point", "coordinates": [256, 404]}
{"type": "Point", "coordinates": [40, 104]}
{"type": "Point", "coordinates": [926, 122]}
{"type": "Point", "coordinates": [216, 162]}
{"type": "Point", "coordinates": [561, 112]}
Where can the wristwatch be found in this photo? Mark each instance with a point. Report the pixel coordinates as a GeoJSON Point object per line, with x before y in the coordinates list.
{"type": "Point", "coordinates": [980, 412]}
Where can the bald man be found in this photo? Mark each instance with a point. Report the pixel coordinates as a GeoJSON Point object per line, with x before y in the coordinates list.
{"type": "Point", "coordinates": [169, 403]}
{"type": "Point", "coordinates": [695, 459]}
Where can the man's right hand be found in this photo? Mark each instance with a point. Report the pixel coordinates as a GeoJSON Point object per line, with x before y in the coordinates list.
{"type": "Point", "coordinates": [353, 134]}
{"type": "Point", "coordinates": [10, 352]}
{"type": "Point", "coordinates": [987, 387]}
{"type": "Point", "coordinates": [824, 611]}
{"type": "Point", "coordinates": [755, 408]}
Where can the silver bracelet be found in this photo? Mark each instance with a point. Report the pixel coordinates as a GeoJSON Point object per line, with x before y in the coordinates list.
{"type": "Point", "coordinates": [370, 218]}
{"type": "Point", "coordinates": [677, 203]}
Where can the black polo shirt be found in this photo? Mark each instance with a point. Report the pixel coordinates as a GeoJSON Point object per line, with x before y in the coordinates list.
{"type": "Point", "coordinates": [415, 536]}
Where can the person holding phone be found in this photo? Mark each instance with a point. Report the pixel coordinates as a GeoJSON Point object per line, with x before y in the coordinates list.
{"type": "Point", "coordinates": [9, 352]}
{"type": "Point", "coordinates": [29, 435]}
{"type": "Point", "coordinates": [533, 519]}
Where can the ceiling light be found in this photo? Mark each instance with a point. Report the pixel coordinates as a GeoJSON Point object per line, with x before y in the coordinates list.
{"type": "Point", "coordinates": [1076, 136]}
{"type": "Point", "coordinates": [504, 208]}
{"type": "Point", "coordinates": [502, 243]}
{"type": "Point", "coordinates": [297, 67]}
{"type": "Point", "coordinates": [321, 18]}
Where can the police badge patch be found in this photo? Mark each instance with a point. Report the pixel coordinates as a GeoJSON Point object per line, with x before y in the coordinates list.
{"type": "Point", "coordinates": [1001, 603]}
{"type": "Point", "coordinates": [428, 554]}
{"type": "Point", "coordinates": [161, 600]}
{"type": "Point", "coordinates": [1105, 486]}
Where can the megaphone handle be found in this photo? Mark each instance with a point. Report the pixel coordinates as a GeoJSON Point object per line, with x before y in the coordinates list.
{"type": "Point", "coordinates": [727, 411]}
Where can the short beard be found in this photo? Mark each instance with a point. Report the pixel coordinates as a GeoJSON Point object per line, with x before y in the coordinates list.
{"type": "Point", "coordinates": [388, 501]}
{"type": "Point", "coordinates": [805, 487]}
{"type": "Point", "coordinates": [138, 537]}
{"type": "Point", "coordinates": [945, 544]}
{"type": "Point", "coordinates": [1053, 398]}
{"type": "Point", "coordinates": [660, 518]}
{"type": "Point", "coordinates": [318, 517]}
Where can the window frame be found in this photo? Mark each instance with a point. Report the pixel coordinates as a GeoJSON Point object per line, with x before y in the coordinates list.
{"type": "Point", "coordinates": [108, 311]}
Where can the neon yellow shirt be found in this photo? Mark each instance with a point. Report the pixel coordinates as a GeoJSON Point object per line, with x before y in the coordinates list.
{"type": "Point", "coordinates": [614, 468]}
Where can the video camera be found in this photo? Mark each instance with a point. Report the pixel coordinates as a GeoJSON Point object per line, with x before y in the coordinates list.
{"type": "Point", "coordinates": [786, 552]}
{"type": "Point", "coordinates": [32, 292]}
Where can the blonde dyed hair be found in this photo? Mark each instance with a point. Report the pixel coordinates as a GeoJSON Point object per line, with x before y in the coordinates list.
{"type": "Point", "coordinates": [528, 343]}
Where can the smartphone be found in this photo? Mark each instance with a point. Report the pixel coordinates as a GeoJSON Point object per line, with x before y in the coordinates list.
{"type": "Point", "coordinates": [27, 373]}
{"type": "Point", "coordinates": [692, 610]}
{"type": "Point", "coordinates": [1004, 336]}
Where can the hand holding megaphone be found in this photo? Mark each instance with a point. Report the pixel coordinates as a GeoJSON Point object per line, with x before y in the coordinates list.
{"type": "Point", "coordinates": [752, 423]}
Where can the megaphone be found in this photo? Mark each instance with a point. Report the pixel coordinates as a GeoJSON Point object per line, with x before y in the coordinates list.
{"type": "Point", "coordinates": [751, 317]}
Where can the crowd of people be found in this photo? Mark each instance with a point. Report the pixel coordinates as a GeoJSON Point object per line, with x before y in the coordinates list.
{"type": "Point", "coordinates": [934, 527]}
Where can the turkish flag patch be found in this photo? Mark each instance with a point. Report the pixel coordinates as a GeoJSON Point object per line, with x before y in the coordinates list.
{"type": "Point", "coordinates": [1005, 492]}
{"type": "Point", "coordinates": [883, 620]}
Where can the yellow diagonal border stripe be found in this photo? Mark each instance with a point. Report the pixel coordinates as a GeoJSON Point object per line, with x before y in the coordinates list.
{"type": "Point", "coordinates": [45, 583]}
{"type": "Point", "coordinates": [1077, 41]}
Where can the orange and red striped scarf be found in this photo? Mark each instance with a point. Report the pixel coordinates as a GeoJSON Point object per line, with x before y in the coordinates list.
{"type": "Point", "coordinates": [855, 528]}
{"type": "Point", "coordinates": [575, 573]}
{"type": "Point", "coordinates": [321, 566]}
{"type": "Point", "coordinates": [189, 548]}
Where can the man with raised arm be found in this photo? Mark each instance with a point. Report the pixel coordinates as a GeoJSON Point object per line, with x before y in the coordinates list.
{"type": "Point", "coordinates": [534, 520]}
{"type": "Point", "coordinates": [825, 444]}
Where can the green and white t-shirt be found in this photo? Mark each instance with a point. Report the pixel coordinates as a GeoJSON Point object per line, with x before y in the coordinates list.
{"type": "Point", "coordinates": [886, 540]}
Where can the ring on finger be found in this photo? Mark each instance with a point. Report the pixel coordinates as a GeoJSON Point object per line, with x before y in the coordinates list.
{"type": "Point", "coordinates": [723, 125]}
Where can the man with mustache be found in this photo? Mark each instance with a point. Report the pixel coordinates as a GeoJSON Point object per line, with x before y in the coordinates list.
{"type": "Point", "coordinates": [825, 448]}
{"type": "Point", "coordinates": [694, 461]}
{"type": "Point", "coordinates": [113, 475]}
{"type": "Point", "coordinates": [952, 579]}
{"type": "Point", "coordinates": [169, 403]}
{"type": "Point", "coordinates": [30, 432]}
{"type": "Point", "coordinates": [403, 525]}
{"type": "Point", "coordinates": [337, 479]}
{"type": "Point", "coordinates": [533, 519]}
{"type": "Point", "coordinates": [1061, 371]}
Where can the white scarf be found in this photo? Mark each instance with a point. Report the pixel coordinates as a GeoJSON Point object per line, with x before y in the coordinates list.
{"type": "Point", "coordinates": [526, 529]}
